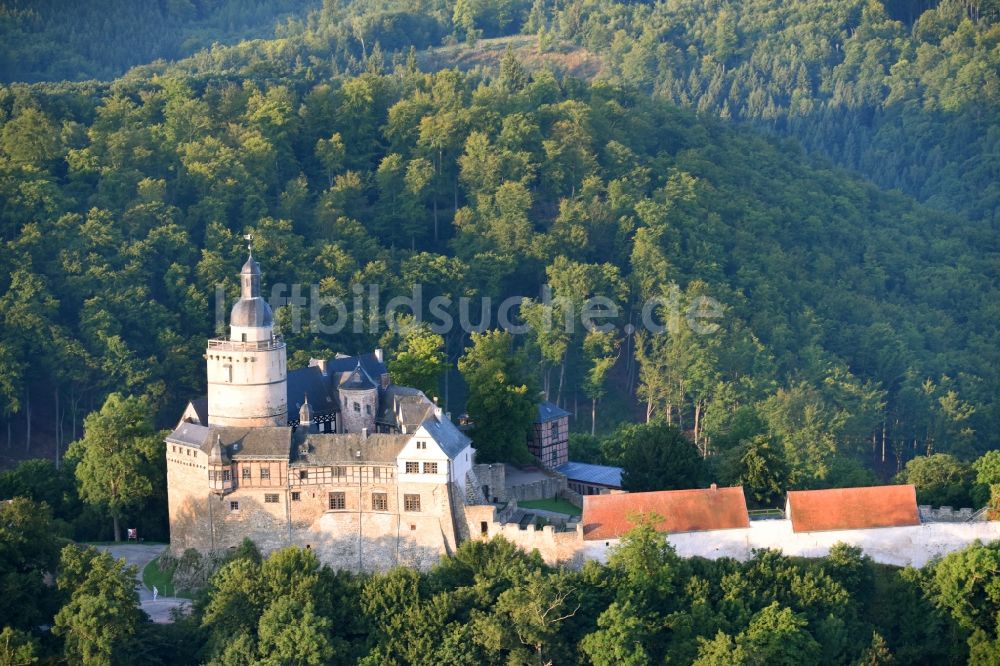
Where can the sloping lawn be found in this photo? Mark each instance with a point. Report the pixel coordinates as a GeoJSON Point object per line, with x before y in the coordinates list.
{"type": "Point", "coordinates": [163, 580]}
{"type": "Point", "coordinates": [556, 505]}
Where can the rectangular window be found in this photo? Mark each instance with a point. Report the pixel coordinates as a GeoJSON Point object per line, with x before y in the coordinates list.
{"type": "Point", "coordinates": [265, 473]}
{"type": "Point", "coordinates": [357, 407]}
{"type": "Point", "coordinates": [377, 473]}
{"type": "Point", "coordinates": [380, 502]}
{"type": "Point", "coordinates": [234, 506]}
{"type": "Point", "coordinates": [227, 475]}
{"type": "Point", "coordinates": [246, 473]}
{"type": "Point", "coordinates": [337, 502]}
{"type": "Point", "coordinates": [339, 473]}
{"type": "Point", "coordinates": [411, 502]}
{"type": "Point", "coordinates": [430, 468]}
{"type": "Point", "coordinates": [412, 468]}
{"type": "Point", "coordinates": [270, 499]}
{"type": "Point", "coordinates": [296, 496]}
{"type": "Point", "coordinates": [303, 474]}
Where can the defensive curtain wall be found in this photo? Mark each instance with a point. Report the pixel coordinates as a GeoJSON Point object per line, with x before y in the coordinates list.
{"type": "Point", "coordinates": [911, 545]}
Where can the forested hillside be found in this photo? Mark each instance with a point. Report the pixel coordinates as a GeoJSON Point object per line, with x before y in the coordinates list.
{"type": "Point", "coordinates": [905, 92]}
{"type": "Point", "coordinates": [850, 312]}
{"type": "Point", "coordinates": [52, 40]}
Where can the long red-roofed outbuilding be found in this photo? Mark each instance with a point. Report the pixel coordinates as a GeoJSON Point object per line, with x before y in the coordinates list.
{"type": "Point", "coordinates": [696, 510]}
{"type": "Point", "coordinates": [852, 508]}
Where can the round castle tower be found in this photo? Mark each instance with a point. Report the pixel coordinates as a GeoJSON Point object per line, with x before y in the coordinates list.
{"type": "Point", "coordinates": [358, 401]}
{"type": "Point", "coordinates": [247, 372]}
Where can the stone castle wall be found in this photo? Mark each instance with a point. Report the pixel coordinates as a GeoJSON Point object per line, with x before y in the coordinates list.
{"type": "Point", "coordinates": [946, 514]}
{"type": "Point", "coordinates": [356, 538]}
{"type": "Point", "coordinates": [913, 545]}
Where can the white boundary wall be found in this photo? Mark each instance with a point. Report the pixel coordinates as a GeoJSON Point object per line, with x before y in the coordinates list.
{"type": "Point", "coordinates": [902, 546]}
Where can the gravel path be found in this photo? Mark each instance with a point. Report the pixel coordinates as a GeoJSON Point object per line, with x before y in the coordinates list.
{"type": "Point", "coordinates": [141, 555]}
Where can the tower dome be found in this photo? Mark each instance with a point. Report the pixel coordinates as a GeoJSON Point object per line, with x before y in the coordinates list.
{"type": "Point", "coordinates": [251, 313]}
{"type": "Point", "coordinates": [251, 319]}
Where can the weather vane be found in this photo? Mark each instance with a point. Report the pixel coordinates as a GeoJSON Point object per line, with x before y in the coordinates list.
{"type": "Point", "coordinates": [249, 240]}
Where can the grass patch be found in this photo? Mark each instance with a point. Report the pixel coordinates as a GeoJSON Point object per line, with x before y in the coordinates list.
{"type": "Point", "coordinates": [163, 580]}
{"type": "Point", "coordinates": [556, 505]}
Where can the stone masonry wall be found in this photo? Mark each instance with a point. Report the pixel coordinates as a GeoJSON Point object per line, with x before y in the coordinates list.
{"type": "Point", "coordinates": [901, 546]}
{"type": "Point", "coordinates": [356, 538]}
{"type": "Point", "coordinates": [555, 547]}
{"type": "Point", "coordinates": [946, 514]}
{"type": "Point", "coordinates": [494, 478]}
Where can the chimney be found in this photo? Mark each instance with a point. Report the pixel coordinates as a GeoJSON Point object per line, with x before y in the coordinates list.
{"type": "Point", "coordinates": [438, 412]}
{"type": "Point", "coordinates": [379, 356]}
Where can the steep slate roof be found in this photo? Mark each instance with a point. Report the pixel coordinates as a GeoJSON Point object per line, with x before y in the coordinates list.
{"type": "Point", "coordinates": [191, 434]}
{"type": "Point", "coordinates": [243, 443]}
{"type": "Point", "coordinates": [548, 411]}
{"type": "Point", "coordinates": [394, 395]}
{"type": "Point", "coordinates": [611, 516]}
{"type": "Point", "coordinates": [327, 449]}
{"type": "Point", "coordinates": [310, 381]}
{"type": "Point", "coordinates": [451, 440]}
{"type": "Point", "coordinates": [369, 363]}
{"type": "Point", "coordinates": [201, 409]}
{"type": "Point", "coordinates": [852, 508]}
{"type": "Point", "coordinates": [358, 380]}
{"type": "Point", "coordinates": [266, 442]}
{"type": "Point", "coordinates": [603, 475]}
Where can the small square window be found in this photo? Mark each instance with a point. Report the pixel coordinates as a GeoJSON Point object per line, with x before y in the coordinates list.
{"type": "Point", "coordinates": [303, 474]}
{"type": "Point", "coordinates": [234, 506]}
{"type": "Point", "coordinates": [227, 475]}
{"type": "Point", "coordinates": [339, 472]}
{"type": "Point", "coordinates": [411, 502]}
{"type": "Point", "coordinates": [296, 496]}
{"type": "Point", "coordinates": [270, 499]}
{"type": "Point", "coordinates": [265, 473]}
{"type": "Point", "coordinates": [430, 468]}
{"type": "Point", "coordinates": [412, 468]}
{"type": "Point", "coordinates": [380, 502]}
{"type": "Point", "coordinates": [246, 473]}
{"type": "Point", "coordinates": [337, 502]}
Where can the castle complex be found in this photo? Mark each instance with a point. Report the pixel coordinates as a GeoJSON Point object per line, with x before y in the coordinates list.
{"type": "Point", "coordinates": [336, 458]}
{"type": "Point", "coordinates": [332, 457]}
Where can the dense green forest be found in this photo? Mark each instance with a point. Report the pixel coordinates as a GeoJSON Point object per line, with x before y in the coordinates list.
{"type": "Point", "coordinates": [857, 327]}
{"type": "Point", "coordinates": [824, 174]}
{"type": "Point", "coordinates": [905, 91]}
{"type": "Point", "coordinates": [855, 320]}
{"type": "Point", "coordinates": [48, 41]}
{"type": "Point", "coordinates": [491, 603]}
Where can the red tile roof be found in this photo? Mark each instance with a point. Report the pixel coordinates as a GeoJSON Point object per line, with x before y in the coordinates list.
{"type": "Point", "coordinates": [611, 516]}
{"type": "Point", "coordinates": [852, 508]}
